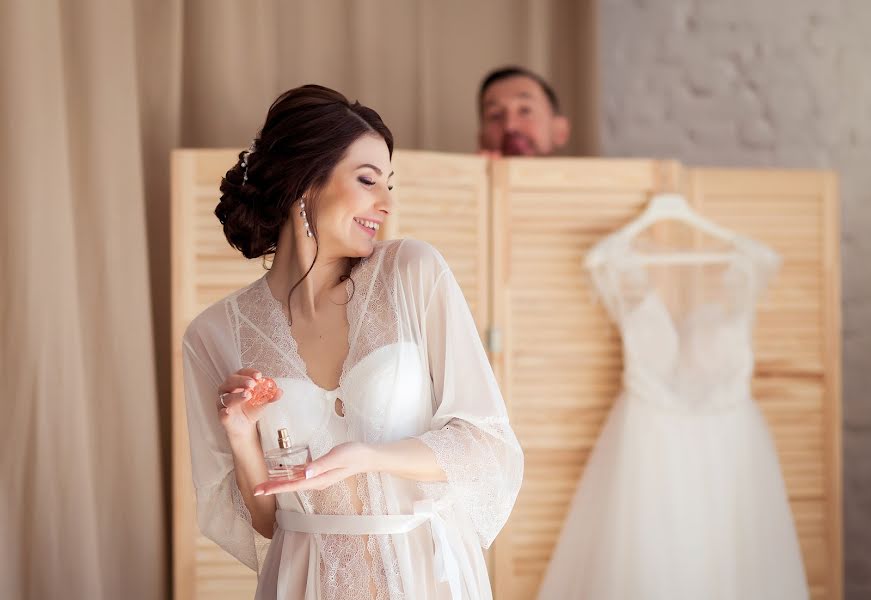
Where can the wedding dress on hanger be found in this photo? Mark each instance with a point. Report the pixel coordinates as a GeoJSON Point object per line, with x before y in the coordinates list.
{"type": "Point", "coordinates": [682, 497]}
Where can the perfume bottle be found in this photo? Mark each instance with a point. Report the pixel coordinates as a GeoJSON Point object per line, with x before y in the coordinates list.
{"type": "Point", "coordinates": [264, 392]}
{"type": "Point", "coordinates": [286, 461]}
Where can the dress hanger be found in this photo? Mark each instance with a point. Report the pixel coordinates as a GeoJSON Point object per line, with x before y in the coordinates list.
{"type": "Point", "coordinates": [667, 207]}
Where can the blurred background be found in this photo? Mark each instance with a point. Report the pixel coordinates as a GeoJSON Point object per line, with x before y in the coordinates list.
{"type": "Point", "coordinates": [96, 93]}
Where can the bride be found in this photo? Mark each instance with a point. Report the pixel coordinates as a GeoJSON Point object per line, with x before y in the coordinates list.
{"type": "Point", "coordinates": [379, 369]}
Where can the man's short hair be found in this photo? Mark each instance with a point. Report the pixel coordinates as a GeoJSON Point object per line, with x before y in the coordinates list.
{"type": "Point", "coordinates": [514, 71]}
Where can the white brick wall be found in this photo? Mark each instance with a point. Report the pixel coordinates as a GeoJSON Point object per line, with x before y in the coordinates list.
{"type": "Point", "coordinates": [762, 83]}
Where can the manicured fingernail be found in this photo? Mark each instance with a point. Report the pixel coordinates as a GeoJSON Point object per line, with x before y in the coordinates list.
{"type": "Point", "coordinates": [309, 473]}
{"type": "Point", "coordinates": [258, 492]}
{"type": "Point", "coordinates": [246, 394]}
{"type": "Point", "coordinates": [251, 383]}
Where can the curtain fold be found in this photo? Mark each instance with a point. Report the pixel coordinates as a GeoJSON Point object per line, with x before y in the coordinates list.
{"type": "Point", "coordinates": [82, 500]}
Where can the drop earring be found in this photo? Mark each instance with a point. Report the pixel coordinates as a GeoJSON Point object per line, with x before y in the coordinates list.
{"type": "Point", "coordinates": [308, 232]}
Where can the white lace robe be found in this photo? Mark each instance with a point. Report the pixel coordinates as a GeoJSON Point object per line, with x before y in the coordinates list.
{"type": "Point", "coordinates": [415, 368]}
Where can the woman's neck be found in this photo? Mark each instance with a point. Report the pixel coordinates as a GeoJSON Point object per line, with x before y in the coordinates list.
{"type": "Point", "coordinates": [292, 260]}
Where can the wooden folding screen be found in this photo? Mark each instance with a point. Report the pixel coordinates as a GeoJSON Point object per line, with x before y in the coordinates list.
{"type": "Point", "coordinates": [515, 233]}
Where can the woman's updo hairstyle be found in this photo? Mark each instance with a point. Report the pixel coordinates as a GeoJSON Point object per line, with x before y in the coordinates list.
{"type": "Point", "coordinates": [307, 132]}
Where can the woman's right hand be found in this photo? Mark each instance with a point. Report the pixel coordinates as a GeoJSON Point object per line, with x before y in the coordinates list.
{"type": "Point", "coordinates": [237, 416]}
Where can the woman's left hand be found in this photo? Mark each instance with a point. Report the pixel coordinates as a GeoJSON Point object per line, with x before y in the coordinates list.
{"type": "Point", "coordinates": [343, 461]}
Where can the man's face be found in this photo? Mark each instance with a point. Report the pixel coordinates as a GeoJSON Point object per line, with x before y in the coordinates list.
{"type": "Point", "coordinates": [517, 119]}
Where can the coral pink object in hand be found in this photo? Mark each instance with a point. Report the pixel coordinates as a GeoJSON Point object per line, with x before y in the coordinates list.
{"type": "Point", "coordinates": [265, 391]}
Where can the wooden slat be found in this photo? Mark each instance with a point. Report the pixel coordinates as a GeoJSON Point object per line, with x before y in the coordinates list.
{"type": "Point", "coordinates": [183, 513]}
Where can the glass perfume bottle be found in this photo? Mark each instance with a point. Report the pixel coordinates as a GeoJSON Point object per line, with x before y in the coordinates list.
{"type": "Point", "coordinates": [286, 461]}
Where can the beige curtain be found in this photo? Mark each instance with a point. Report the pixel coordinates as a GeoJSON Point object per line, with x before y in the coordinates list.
{"type": "Point", "coordinates": [82, 513]}
{"type": "Point", "coordinates": [418, 62]}
{"type": "Point", "coordinates": [95, 94]}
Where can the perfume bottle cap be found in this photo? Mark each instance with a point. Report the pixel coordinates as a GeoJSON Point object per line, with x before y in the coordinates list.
{"type": "Point", "coordinates": [283, 438]}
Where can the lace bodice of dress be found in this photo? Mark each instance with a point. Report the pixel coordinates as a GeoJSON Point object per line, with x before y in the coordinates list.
{"type": "Point", "coordinates": [686, 324]}
{"type": "Point", "coordinates": [703, 363]}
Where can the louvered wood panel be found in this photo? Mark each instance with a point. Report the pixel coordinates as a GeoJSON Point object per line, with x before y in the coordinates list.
{"type": "Point", "coordinates": [204, 269]}
{"type": "Point", "coordinates": [797, 341]}
{"type": "Point", "coordinates": [443, 199]}
{"type": "Point", "coordinates": [561, 366]}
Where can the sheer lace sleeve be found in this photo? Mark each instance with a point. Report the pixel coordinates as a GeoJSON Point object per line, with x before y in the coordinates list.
{"type": "Point", "coordinates": [470, 434]}
{"type": "Point", "coordinates": [221, 511]}
{"type": "Point", "coordinates": [765, 265]}
{"type": "Point", "coordinates": [602, 280]}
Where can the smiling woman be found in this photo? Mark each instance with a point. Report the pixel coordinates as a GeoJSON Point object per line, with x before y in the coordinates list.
{"type": "Point", "coordinates": [380, 375]}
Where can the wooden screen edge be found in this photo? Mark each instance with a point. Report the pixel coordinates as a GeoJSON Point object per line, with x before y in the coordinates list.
{"type": "Point", "coordinates": [502, 561]}
{"type": "Point", "coordinates": [670, 176]}
{"type": "Point", "coordinates": [831, 322]}
{"type": "Point", "coordinates": [485, 234]}
{"type": "Point", "coordinates": [183, 514]}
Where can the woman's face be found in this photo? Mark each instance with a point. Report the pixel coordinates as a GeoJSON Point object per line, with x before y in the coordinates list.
{"type": "Point", "coordinates": [352, 205]}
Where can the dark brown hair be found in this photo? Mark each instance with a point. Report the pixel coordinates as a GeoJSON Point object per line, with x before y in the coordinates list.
{"type": "Point", "coordinates": [307, 132]}
{"type": "Point", "coordinates": [513, 71]}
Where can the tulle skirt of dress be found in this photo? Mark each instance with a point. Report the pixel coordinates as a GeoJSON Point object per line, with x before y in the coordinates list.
{"type": "Point", "coordinates": [679, 506]}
